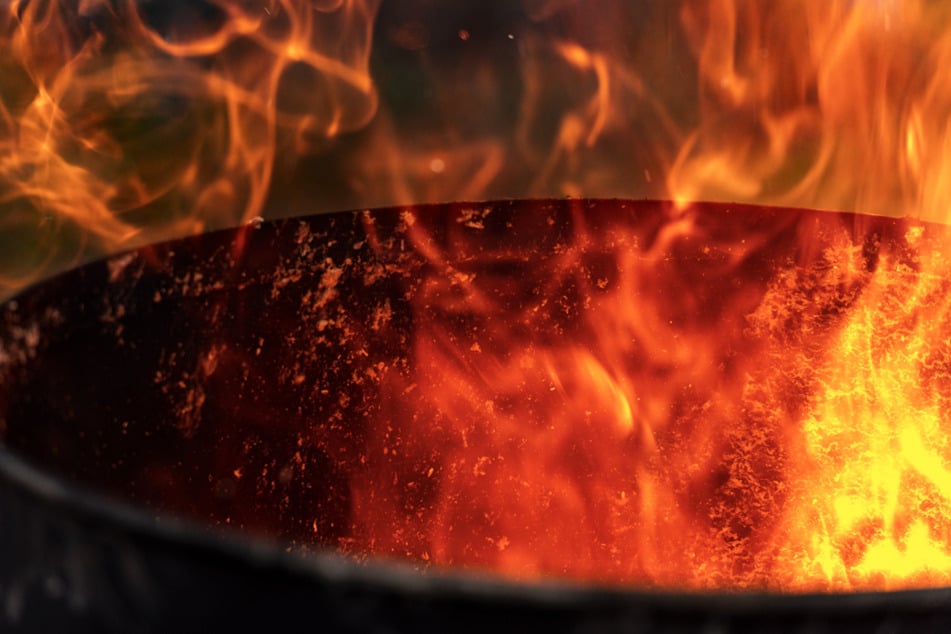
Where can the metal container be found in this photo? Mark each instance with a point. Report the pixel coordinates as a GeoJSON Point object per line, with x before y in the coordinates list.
{"type": "Point", "coordinates": [141, 395]}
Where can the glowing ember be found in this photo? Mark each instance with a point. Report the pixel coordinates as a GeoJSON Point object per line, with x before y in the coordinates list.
{"type": "Point", "coordinates": [674, 399]}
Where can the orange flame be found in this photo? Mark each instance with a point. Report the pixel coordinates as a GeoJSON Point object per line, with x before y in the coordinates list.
{"type": "Point", "coordinates": [777, 423]}
{"type": "Point", "coordinates": [822, 105]}
{"type": "Point", "coordinates": [594, 440]}
{"type": "Point", "coordinates": [125, 122]}
{"type": "Point", "coordinates": [589, 450]}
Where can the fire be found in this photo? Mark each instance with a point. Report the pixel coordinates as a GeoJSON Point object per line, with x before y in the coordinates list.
{"type": "Point", "coordinates": [779, 424]}
{"type": "Point", "coordinates": [611, 413]}
{"type": "Point", "coordinates": [128, 122]}
{"type": "Point", "coordinates": [823, 105]}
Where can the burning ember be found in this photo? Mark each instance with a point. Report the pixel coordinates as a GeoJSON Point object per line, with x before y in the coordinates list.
{"type": "Point", "coordinates": [778, 422]}
{"type": "Point", "coordinates": [680, 395]}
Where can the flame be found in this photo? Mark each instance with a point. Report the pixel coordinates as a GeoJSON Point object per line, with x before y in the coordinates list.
{"type": "Point", "coordinates": [579, 430]}
{"type": "Point", "coordinates": [779, 424]}
{"type": "Point", "coordinates": [626, 427]}
{"type": "Point", "coordinates": [126, 122]}
{"type": "Point", "coordinates": [821, 106]}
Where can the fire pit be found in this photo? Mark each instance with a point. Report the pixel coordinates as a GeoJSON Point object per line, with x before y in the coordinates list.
{"type": "Point", "coordinates": [486, 415]}
{"type": "Point", "coordinates": [573, 409]}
